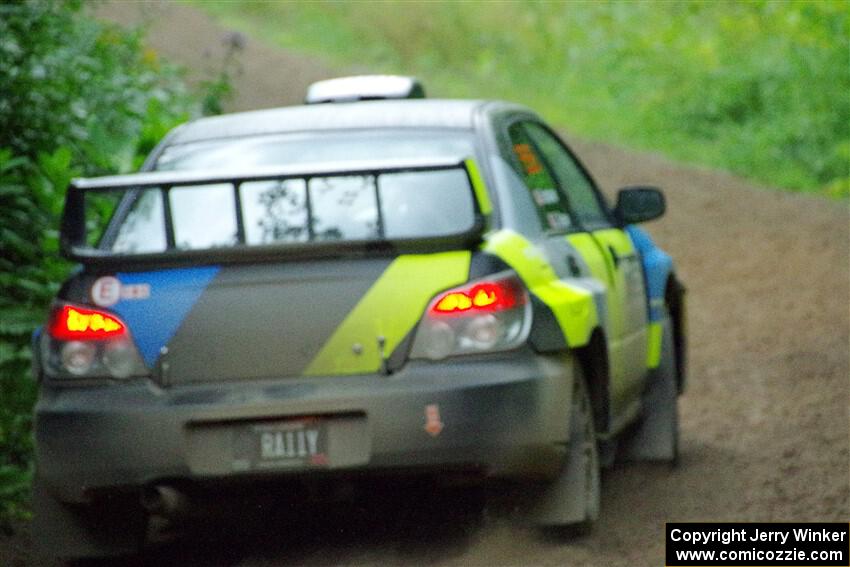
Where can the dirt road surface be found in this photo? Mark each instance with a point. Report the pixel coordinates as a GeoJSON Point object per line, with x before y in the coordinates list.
{"type": "Point", "coordinates": [764, 422]}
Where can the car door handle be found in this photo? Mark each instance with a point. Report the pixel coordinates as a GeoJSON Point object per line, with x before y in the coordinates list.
{"type": "Point", "coordinates": [618, 258]}
{"type": "Point", "coordinates": [614, 256]}
{"type": "Point", "coordinates": [572, 266]}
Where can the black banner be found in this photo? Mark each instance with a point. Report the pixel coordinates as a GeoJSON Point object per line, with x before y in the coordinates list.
{"type": "Point", "coordinates": [758, 544]}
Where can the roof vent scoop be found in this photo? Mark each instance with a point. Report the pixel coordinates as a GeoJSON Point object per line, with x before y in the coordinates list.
{"type": "Point", "coordinates": [364, 87]}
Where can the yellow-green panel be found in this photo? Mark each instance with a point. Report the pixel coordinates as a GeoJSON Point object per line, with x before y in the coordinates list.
{"type": "Point", "coordinates": [479, 187]}
{"type": "Point", "coordinates": [653, 351]}
{"type": "Point", "coordinates": [520, 254]}
{"type": "Point", "coordinates": [594, 250]}
{"type": "Point", "coordinates": [617, 238]}
{"type": "Point", "coordinates": [391, 307]}
{"type": "Point", "coordinates": [588, 249]}
{"type": "Point", "coordinates": [573, 307]}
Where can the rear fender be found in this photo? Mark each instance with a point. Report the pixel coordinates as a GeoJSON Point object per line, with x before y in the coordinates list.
{"type": "Point", "coordinates": [658, 272]}
{"type": "Point", "coordinates": [574, 307]}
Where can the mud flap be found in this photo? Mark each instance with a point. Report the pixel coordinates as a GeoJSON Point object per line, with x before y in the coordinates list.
{"type": "Point", "coordinates": [62, 531]}
{"type": "Point", "coordinates": [656, 437]}
{"type": "Point", "coordinates": [572, 499]}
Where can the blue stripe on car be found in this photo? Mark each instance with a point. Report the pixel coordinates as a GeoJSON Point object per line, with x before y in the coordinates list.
{"type": "Point", "coordinates": [657, 266]}
{"type": "Point", "coordinates": [154, 320]}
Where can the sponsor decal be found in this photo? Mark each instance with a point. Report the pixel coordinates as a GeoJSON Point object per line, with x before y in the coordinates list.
{"type": "Point", "coordinates": [544, 197]}
{"type": "Point", "coordinates": [433, 424]}
{"type": "Point", "coordinates": [108, 290]}
{"type": "Point", "coordinates": [137, 291]}
{"type": "Point", "coordinates": [528, 159]}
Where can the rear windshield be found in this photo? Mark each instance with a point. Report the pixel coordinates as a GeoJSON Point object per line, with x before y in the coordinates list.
{"type": "Point", "coordinates": [389, 205]}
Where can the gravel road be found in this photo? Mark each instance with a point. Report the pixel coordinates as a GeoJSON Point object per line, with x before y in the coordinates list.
{"type": "Point", "coordinates": [764, 422]}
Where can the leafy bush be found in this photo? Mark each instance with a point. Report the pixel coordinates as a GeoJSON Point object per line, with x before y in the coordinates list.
{"type": "Point", "coordinates": [30, 196]}
{"type": "Point", "coordinates": [77, 97]}
{"type": "Point", "coordinates": [756, 87]}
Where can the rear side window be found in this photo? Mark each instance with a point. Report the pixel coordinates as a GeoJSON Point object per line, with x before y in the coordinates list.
{"type": "Point", "coordinates": [583, 197]}
{"type": "Point", "coordinates": [551, 204]}
{"type": "Point", "coordinates": [390, 205]}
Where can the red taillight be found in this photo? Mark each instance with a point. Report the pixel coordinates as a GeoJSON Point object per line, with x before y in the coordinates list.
{"type": "Point", "coordinates": [489, 315]}
{"type": "Point", "coordinates": [486, 296]}
{"type": "Point", "coordinates": [74, 323]}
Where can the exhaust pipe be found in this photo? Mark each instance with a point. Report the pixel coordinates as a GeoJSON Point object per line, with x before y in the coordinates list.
{"type": "Point", "coordinates": [164, 500]}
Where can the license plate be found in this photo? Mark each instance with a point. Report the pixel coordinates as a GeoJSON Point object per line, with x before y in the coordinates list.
{"type": "Point", "coordinates": [281, 444]}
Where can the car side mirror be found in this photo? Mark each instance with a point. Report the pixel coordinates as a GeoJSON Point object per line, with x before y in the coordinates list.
{"type": "Point", "coordinates": [639, 204]}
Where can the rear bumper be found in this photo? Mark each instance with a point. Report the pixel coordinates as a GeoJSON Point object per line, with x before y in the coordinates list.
{"type": "Point", "coordinates": [504, 415]}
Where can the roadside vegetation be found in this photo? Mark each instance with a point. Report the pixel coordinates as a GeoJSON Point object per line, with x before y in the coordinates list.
{"type": "Point", "coordinates": [759, 88]}
{"type": "Point", "coordinates": [77, 97]}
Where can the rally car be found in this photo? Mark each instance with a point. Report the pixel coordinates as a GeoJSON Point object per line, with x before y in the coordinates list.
{"type": "Point", "coordinates": [370, 282]}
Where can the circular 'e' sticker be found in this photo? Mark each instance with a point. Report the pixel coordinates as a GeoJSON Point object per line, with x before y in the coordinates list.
{"type": "Point", "coordinates": [106, 291]}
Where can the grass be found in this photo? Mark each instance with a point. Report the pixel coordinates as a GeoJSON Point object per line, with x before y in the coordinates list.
{"type": "Point", "coordinates": [758, 88]}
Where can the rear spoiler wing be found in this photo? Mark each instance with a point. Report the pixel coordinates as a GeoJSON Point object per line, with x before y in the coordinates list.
{"type": "Point", "coordinates": [73, 231]}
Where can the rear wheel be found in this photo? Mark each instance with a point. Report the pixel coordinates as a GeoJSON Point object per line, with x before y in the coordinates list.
{"type": "Point", "coordinates": [571, 501]}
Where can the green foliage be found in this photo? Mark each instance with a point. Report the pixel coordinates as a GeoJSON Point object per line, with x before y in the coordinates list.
{"type": "Point", "coordinates": [760, 88]}
{"type": "Point", "coordinates": [77, 97]}
{"type": "Point", "coordinates": [220, 87]}
{"type": "Point", "coordinates": [70, 81]}
{"type": "Point", "coordinates": [29, 201]}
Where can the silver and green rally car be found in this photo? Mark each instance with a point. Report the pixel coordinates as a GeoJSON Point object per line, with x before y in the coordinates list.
{"type": "Point", "coordinates": [367, 283]}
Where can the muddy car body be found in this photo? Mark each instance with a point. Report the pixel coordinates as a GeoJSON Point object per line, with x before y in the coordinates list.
{"type": "Point", "coordinates": [359, 286]}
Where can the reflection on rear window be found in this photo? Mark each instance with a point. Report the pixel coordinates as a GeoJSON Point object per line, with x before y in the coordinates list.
{"type": "Point", "coordinates": [403, 205]}
{"type": "Point", "coordinates": [414, 204]}
{"type": "Point", "coordinates": [143, 229]}
{"type": "Point", "coordinates": [275, 211]}
{"type": "Point", "coordinates": [344, 208]}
